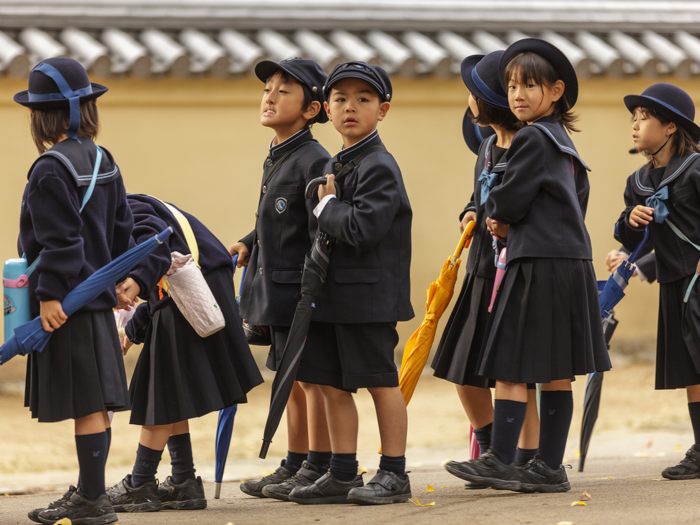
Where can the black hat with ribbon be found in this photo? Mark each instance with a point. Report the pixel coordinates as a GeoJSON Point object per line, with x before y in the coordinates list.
{"type": "Point", "coordinates": [669, 100]}
{"type": "Point", "coordinates": [474, 134]}
{"type": "Point", "coordinates": [58, 83]}
{"type": "Point", "coordinates": [307, 72]}
{"type": "Point", "coordinates": [374, 75]}
{"type": "Point", "coordinates": [480, 75]}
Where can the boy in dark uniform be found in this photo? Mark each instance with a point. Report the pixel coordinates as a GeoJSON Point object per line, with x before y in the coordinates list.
{"type": "Point", "coordinates": [353, 335]}
{"type": "Point", "coordinates": [275, 249]}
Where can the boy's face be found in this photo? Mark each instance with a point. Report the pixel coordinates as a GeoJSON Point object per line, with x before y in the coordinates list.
{"type": "Point", "coordinates": [648, 133]}
{"type": "Point", "coordinates": [354, 107]}
{"type": "Point", "coordinates": [281, 107]}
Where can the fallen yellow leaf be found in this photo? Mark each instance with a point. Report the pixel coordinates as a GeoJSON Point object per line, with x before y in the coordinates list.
{"type": "Point", "coordinates": [578, 504]}
{"type": "Point", "coordinates": [363, 470]}
{"type": "Point", "coordinates": [419, 504]}
{"type": "Point", "coordinates": [678, 447]}
{"type": "Point", "coordinates": [578, 453]}
{"type": "Point", "coordinates": [430, 489]}
{"type": "Point", "coordinates": [64, 521]}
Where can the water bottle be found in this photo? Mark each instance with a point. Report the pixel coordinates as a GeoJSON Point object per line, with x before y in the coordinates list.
{"type": "Point", "coordinates": [15, 295]}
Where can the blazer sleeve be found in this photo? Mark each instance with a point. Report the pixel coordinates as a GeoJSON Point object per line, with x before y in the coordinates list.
{"type": "Point", "coordinates": [368, 219]}
{"type": "Point", "coordinates": [137, 326]}
{"type": "Point", "coordinates": [248, 241]}
{"type": "Point", "coordinates": [471, 206]}
{"type": "Point", "coordinates": [647, 265]}
{"type": "Point", "coordinates": [123, 227]}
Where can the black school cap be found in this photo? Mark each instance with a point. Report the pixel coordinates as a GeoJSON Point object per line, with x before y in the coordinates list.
{"type": "Point", "coordinates": [374, 75]}
{"type": "Point", "coordinates": [307, 72]}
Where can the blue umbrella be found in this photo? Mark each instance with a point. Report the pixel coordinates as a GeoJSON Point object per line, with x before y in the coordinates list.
{"type": "Point", "coordinates": [31, 336]}
{"type": "Point", "coordinates": [614, 289]}
{"type": "Point", "coordinates": [224, 428]}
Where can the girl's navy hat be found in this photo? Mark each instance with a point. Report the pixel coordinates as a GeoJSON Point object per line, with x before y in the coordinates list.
{"type": "Point", "coordinates": [474, 134]}
{"type": "Point", "coordinates": [481, 76]}
{"type": "Point", "coordinates": [553, 55]}
{"type": "Point", "coordinates": [374, 75]}
{"type": "Point", "coordinates": [669, 100]}
{"type": "Point", "coordinates": [307, 72]}
{"type": "Point", "coordinates": [58, 83]}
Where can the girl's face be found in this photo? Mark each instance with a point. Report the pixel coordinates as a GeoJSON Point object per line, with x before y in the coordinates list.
{"type": "Point", "coordinates": [530, 101]}
{"type": "Point", "coordinates": [648, 133]}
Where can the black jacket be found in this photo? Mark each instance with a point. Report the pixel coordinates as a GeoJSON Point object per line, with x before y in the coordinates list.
{"type": "Point", "coordinates": [675, 258]}
{"type": "Point", "coordinates": [543, 195]}
{"type": "Point", "coordinates": [369, 274]}
{"type": "Point", "coordinates": [74, 244]}
{"type": "Point", "coordinates": [269, 293]}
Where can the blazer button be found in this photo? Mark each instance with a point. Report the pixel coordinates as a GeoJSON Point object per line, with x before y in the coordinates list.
{"type": "Point", "coordinates": [259, 245]}
{"type": "Point", "coordinates": [260, 270]}
{"type": "Point", "coordinates": [338, 166]}
{"type": "Point", "coordinates": [268, 162]}
{"type": "Point", "coordinates": [257, 215]}
{"type": "Point", "coordinates": [264, 189]}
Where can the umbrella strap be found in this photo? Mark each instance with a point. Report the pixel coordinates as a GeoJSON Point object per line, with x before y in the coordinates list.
{"type": "Point", "coordinates": [683, 237]}
{"type": "Point", "coordinates": [347, 168]}
{"type": "Point", "coordinates": [86, 198]}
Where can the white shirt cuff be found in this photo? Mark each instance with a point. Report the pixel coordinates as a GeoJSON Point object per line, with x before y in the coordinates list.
{"type": "Point", "coordinates": [319, 207]}
{"type": "Point", "coordinates": [641, 276]}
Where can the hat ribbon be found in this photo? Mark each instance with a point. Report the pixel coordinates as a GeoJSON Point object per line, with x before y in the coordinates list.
{"type": "Point", "coordinates": [667, 106]}
{"type": "Point", "coordinates": [65, 93]}
{"type": "Point", "coordinates": [487, 180]}
{"type": "Point", "coordinates": [490, 94]}
{"type": "Point", "coordinates": [656, 201]}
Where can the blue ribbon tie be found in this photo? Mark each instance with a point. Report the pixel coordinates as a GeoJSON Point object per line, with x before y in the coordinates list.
{"type": "Point", "coordinates": [656, 201]}
{"type": "Point", "coordinates": [487, 180]}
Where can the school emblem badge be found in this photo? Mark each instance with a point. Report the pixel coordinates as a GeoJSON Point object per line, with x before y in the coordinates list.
{"type": "Point", "coordinates": [281, 204]}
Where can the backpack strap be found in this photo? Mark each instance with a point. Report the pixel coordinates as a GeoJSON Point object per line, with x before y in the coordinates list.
{"type": "Point", "coordinates": [682, 236]}
{"type": "Point", "coordinates": [186, 229]}
{"type": "Point", "coordinates": [352, 164]}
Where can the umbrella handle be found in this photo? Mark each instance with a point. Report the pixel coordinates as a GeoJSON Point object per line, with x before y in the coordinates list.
{"type": "Point", "coordinates": [633, 256]}
{"type": "Point", "coordinates": [466, 239]}
{"type": "Point", "coordinates": [315, 183]}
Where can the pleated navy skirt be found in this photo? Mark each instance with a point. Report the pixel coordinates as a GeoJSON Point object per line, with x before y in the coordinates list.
{"type": "Point", "coordinates": [457, 356]}
{"type": "Point", "coordinates": [180, 375]}
{"type": "Point", "coordinates": [546, 323]}
{"type": "Point", "coordinates": [80, 372]}
{"type": "Point", "coordinates": [678, 337]}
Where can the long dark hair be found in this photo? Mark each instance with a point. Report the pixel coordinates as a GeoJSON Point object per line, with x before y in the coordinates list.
{"type": "Point", "coordinates": [490, 115]}
{"type": "Point", "coordinates": [531, 67]}
{"type": "Point", "coordinates": [48, 125]}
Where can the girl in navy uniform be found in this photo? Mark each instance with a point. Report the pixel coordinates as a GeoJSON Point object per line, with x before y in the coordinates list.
{"type": "Point", "coordinates": [80, 374]}
{"type": "Point", "coordinates": [545, 326]}
{"type": "Point", "coordinates": [457, 355]}
{"type": "Point", "coordinates": [664, 195]}
{"type": "Point", "coordinates": [274, 252]}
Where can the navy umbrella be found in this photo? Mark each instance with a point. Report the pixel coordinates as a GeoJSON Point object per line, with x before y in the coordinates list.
{"type": "Point", "coordinates": [31, 336]}
{"type": "Point", "coordinates": [224, 428]}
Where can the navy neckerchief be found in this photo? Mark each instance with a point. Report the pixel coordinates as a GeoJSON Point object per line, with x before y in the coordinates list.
{"type": "Point", "coordinates": [487, 177]}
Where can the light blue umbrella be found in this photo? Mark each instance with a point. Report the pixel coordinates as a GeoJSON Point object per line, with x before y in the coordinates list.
{"type": "Point", "coordinates": [31, 336]}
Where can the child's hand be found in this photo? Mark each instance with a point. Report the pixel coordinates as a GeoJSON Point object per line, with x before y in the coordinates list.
{"type": "Point", "coordinates": [614, 259]}
{"type": "Point", "coordinates": [127, 293]}
{"type": "Point", "coordinates": [328, 188]}
{"type": "Point", "coordinates": [497, 229]}
{"type": "Point", "coordinates": [243, 254]}
{"type": "Point", "coordinates": [469, 216]}
{"type": "Point", "coordinates": [52, 316]}
{"type": "Point", "coordinates": [126, 344]}
{"type": "Point", "coordinates": [641, 216]}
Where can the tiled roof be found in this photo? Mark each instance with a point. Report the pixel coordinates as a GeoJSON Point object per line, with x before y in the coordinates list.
{"type": "Point", "coordinates": [409, 37]}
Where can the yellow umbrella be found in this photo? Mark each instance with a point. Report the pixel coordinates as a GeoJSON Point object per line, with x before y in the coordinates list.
{"type": "Point", "coordinates": [415, 353]}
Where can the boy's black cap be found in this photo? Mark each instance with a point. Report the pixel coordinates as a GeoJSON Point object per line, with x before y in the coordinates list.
{"type": "Point", "coordinates": [374, 75]}
{"type": "Point", "coordinates": [474, 134]}
{"type": "Point", "coordinates": [669, 100]}
{"type": "Point", "coordinates": [553, 54]}
{"type": "Point", "coordinates": [305, 71]}
{"type": "Point", "coordinates": [480, 74]}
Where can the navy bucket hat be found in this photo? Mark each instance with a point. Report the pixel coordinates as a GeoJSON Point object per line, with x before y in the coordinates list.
{"type": "Point", "coordinates": [474, 134]}
{"type": "Point", "coordinates": [374, 75]}
{"type": "Point", "coordinates": [553, 55]}
{"type": "Point", "coordinates": [669, 100]}
{"type": "Point", "coordinates": [305, 71]}
{"type": "Point", "coordinates": [60, 82]}
{"type": "Point", "coordinates": [480, 73]}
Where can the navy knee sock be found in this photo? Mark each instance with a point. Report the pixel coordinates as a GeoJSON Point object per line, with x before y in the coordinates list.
{"type": "Point", "coordinates": [92, 449]}
{"type": "Point", "coordinates": [694, 409]}
{"type": "Point", "coordinates": [294, 460]}
{"type": "Point", "coordinates": [180, 448]}
{"type": "Point", "coordinates": [395, 464]}
{"type": "Point", "coordinates": [344, 466]}
{"type": "Point", "coordinates": [320, 460]}
{"type": "Point", "coordinates": [109, 444]}
{"type": "Point", "coordinates": [508, 418]}
{"type": "Point", "coordinates": [146, 466]}
{"type": "Point", "coordinates": [556, 409]}
{"type": "Point", "coordinates": [523, 455]}
{"type": "Point", "coordinates": [483, 437]}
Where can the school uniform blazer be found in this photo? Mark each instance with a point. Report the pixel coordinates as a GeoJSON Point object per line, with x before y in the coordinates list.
{"type": "Point", "coordinates": [270, 290]}
{"type": "Point", "coordinates": [675, 258]}
{"type": "Point", "coordinates": [73, 245]}
{"type": "Point", "coordinates": [369, 273]}
{"type": "Point", "coordinates": [543, 195]}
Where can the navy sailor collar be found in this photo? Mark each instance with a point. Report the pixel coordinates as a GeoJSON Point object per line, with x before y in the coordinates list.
{"type": "Point", "coordinates": [301, 136]}
{"type": "Point", "coordinates": [370, 140]}
{"type": "Point", "coordinates": [557, 133]}
{"type": "Point", "coordinates": [676, 166]}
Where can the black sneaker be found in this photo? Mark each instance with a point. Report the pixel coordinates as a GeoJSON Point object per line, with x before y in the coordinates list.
{"type": "Point", "coordinates": [81, 511]}
{"type": "Point", "coordinates": [34, 514]}
{"type": "Point", "coordinates": [385, 487]}
{"type": "Point", "coordinates": [475, 486]}
{"type": "Point", "coordinates": [487, 469]}
{"type": "Point", "coordinates": [326, 489]}
{"type": "Point", "coordinates": [125, 498]}
{"type": "Point", "coordinates": [188, 495]}
{"type": "Point", "coordinates": [254, 488]}
{"type": "Point", "coordinates": [688, 468]}
{"type": "Point", "coordinates": [536, 476]}
{"type": "Point", "coordinates": [307, 475]}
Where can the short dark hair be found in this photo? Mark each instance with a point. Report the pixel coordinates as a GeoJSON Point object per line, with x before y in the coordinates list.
{"type": "Point", "coordinates": [490, 115]}
{"type": "Point", "coordinates": [308, 97]}
{"type": "Point", "coordinates": [682, 141]}
{"type": "Point", "coordinates": [48, 125]}
{"type": "Point", "coordinates": [531, 67]}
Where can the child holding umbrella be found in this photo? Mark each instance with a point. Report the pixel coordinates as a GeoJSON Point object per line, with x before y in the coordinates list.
{"type": "Point", "coordinates": [664, 196]}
